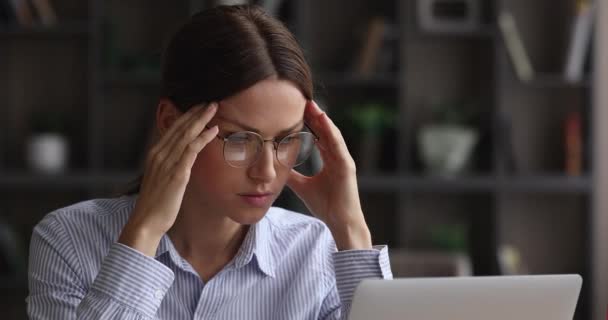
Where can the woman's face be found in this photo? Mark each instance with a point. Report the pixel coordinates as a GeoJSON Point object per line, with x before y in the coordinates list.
{"type": "Point", "coordinates": [273, 108]}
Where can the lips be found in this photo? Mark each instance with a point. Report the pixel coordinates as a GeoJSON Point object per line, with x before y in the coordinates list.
{"type": "Point", "coordinates": [257, 199]}
{"type": "Point", "coordinates": [256, 194]}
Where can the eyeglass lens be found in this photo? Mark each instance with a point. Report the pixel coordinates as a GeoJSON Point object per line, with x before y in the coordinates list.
{"type": "Point", "coordinates": [242, 149]}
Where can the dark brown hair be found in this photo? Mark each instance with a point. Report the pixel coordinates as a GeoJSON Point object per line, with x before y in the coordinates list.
{"type": "Point", "coordinates": [226, 49]}
{"type": "Point", "coordinates": [221, 51]}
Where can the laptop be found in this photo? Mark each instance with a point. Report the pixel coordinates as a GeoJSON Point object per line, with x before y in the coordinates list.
{"type": "Point", "coordinates": [537, 297]}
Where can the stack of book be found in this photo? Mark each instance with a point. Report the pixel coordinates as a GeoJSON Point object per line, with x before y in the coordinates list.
{"type": "Point", "coordinates": [27, 13]}
{"type": "Point", "coordinates": [578, 54]}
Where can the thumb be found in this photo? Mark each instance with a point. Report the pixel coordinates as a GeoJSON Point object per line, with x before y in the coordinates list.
{"type": "Point", "coordinates": [297, 182]}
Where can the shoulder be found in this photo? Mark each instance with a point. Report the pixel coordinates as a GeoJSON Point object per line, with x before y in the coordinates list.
{"type": "Point", "coordinates": [79, 235]}
{"type": "Point", "coordinates": [96, 220]}
{"type": "Point", "coordinates": [88, 211]}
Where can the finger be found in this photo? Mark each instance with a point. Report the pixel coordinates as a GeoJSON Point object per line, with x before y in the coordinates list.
{"type": "Point", "coordinates": [313, 109]}
{"type": "Point", "coordinates": [176, 126]}
{"type": "Point", "coordinates": [178, 130]}
{"type": "Point", "coordinates": [194, 148]}
{"type": "Point", "coordinates": [190, 131]}
{"type": "Point", "coordinates": [297, 182]}
{"type": "Point", "coordinates": [331, 142]}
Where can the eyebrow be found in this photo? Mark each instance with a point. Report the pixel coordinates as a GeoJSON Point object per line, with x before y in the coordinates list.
{"type": "Point", "coordinates": [248, 128]}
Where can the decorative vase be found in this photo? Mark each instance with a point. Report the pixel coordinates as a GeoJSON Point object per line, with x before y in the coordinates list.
{"type": "Point", "coordinates": [47, 152]}
{"type": "Point", "coordinates": [446, 149]}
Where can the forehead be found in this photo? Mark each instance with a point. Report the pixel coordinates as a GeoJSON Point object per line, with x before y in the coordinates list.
{"type": "Point", "coordinates": [270, 106]}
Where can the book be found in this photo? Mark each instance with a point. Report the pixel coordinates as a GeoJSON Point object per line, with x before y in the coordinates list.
{"type": "Point", "coordinates": [580, 41]}
{"type": "Point", "coordinates": [23, 12]}
{"type": "Point", "coordinates": [573, 144]}
{"type": "Point", "coordinates": [515, 47]}
{"type": "Point", "coordinates": [367, 58]}
{"type": "Point", "coordinates": [45, 12]}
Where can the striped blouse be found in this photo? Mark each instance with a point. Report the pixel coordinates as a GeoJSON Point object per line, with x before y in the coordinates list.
{"type": "Point", "coordinates": [286, 268]}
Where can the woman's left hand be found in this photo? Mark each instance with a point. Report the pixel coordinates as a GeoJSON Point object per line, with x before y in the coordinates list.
{"type": "Point", "coordinates": [332, 194]}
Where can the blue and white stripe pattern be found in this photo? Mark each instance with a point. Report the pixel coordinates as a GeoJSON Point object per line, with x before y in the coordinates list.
{"type": "Point", "coordinates": [286, 268]}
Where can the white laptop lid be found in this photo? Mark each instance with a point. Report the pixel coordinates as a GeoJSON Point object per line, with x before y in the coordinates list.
{"type": "Point", "coordinates": [547, 297]}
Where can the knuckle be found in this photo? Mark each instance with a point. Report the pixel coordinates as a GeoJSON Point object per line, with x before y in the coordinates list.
{"type": "Point", "coordinates": [165, 169]}
{"type": "Point", "coordinates": [193, 131]}
{"type": "Point", "coordinates": [181, 175]}
{"type": "Point", "coordinates": [185, 134]}
{"type": "Point", "coordinates": [349, 166]}
{"type": "Point", "coordinates": [159, 156]}
{"type": "Point", "coordinates": [192, 147]}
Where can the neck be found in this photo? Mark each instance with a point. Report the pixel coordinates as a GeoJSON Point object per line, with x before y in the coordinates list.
{"type": "Point", "coordinates": [204, 237]}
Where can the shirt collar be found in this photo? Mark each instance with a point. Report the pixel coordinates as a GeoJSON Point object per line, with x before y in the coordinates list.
{"type": "Point", "coordinates": [165, 247]}
{"type": "Point", "coordinates": [256, 244]}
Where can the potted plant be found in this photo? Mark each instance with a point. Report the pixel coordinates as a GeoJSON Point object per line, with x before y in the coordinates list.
{"type": "Point", "coordinates": [447, 141]}
{"type": "Point", "coordinates": [371, 120]}
{"type": "Point", "coordinates": [47, 145]}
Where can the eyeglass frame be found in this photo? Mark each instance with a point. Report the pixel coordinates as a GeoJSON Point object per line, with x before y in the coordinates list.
{"type": "Point", "coordinates": [274, 141]}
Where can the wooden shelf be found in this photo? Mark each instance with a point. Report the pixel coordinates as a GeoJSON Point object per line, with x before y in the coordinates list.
{"type": "Point", "coordinates": [424, 184]}
{"type": "Point", "coordinates": [367, 183]}
{"type": "Point", "coordinates": [62, 30]}
{"type": "Point", "coordinates": [69, 180]}
{"type": "Point", "coordinates": [546, 184]}
{"type": "Point", "coordinates": [555, 81]}
{"type": "Point", "coordinates": [476, 184]}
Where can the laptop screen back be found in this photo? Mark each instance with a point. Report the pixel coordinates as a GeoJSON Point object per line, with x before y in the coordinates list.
{"type": "Point", "coordinates": [547, 297]}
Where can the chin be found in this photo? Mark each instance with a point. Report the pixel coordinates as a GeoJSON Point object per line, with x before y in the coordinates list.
{"type": "Point", "coordinates": [248, 216]}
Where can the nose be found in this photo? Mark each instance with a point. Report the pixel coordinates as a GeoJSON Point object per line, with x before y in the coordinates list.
{"type": "Point", "coordinates": [264, 170]}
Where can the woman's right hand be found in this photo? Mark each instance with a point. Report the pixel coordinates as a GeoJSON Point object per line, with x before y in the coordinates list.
{"type": "Point", "coordinates": [166, 175]}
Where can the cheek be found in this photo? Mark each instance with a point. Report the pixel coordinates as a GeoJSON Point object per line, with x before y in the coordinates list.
{"type": "Point", "coordinates": [209, 170]}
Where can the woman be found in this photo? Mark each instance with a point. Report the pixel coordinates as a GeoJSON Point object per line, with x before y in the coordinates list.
{"type": "Point", "coordinates": [199, 238]}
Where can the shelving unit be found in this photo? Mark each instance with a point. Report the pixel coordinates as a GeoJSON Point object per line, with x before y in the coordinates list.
{"type": "Point", "coordinates": [548, 215]}
{"type": "Point", "coordinates": [67, 69]}
{"type": "Point", "coordinates": [527, 206]}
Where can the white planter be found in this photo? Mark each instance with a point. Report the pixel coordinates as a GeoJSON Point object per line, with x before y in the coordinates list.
{"type": "Point", "coordinates": [446, 149]}
{"type": "Point", "coordinates": [47, 153]}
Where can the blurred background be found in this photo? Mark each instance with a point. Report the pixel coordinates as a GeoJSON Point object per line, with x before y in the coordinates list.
{"type": "Point", "coordinates": [471, 122]}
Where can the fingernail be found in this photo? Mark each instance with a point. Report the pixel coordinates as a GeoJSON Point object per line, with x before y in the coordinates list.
{"type": "Point", "coordinates": [213, 106]}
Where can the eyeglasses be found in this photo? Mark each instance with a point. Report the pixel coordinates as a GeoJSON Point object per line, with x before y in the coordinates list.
{"type": "Point", "coordinates": [242, 149]}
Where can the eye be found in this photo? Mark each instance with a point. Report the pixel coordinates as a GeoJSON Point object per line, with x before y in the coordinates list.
{"type": "Point", "coordinates": [292, 138]}
{"type": "Point", "coordinates": [239, 138]}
